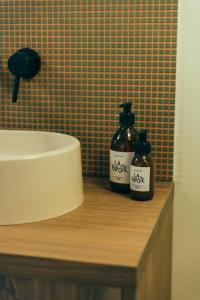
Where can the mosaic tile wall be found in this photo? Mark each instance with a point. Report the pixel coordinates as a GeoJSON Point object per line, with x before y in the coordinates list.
{"type": "Point", "coordinates": [95, 54]}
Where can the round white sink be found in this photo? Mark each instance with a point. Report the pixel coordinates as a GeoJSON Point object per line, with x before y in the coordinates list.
{"type": "Point", "coordinates": [40, 175]}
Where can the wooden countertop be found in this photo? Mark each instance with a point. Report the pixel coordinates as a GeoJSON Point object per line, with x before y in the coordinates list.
{"type": "Point", "coordinates": [102, 242]}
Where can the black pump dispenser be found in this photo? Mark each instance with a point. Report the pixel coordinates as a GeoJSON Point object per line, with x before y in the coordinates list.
{"type": "Point", "coordinates": [122, 150]}
{"type": "Point", "coordinates": [127, 116]}
{"type": "Point", "coordinates": [142, 147]}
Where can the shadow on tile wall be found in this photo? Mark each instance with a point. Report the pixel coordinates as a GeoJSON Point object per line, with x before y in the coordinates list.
{"type": "Point", "coordinates": [94, 56]}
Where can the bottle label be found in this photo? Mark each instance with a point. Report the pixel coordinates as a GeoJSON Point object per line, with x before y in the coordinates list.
{"type": "Point", "coordinates": [140, 179]}
{"type": "Point", "coordinates": [120, 166]}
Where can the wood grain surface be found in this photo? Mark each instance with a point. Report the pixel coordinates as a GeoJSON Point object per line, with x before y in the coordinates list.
{"type": "Point", "coordinates": [102, 242]}
{"type": "Point", "coordinates": [154, 277]}
{"type": "Point", "coordinates": [33, 289]}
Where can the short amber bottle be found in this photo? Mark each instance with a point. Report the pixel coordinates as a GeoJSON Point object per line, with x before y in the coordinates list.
{"type": "Point", "coordinates": [122, 151]}
{"type": "Point", "coordinates": [142, 170]}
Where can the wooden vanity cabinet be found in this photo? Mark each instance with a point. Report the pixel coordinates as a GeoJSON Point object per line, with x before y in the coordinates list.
{"type": "Point", "coordinates": [110, 248]}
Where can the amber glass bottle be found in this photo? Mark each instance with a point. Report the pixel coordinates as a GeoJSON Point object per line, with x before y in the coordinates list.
{"type": "Point", "coordinates": [142, 170]}
{"type": "Point", "coordinates": [122, 151]}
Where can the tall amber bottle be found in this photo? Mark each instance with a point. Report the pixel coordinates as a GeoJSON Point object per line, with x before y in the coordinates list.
{"type": "Point", "coordinates": [142, 170]}
{"type": "Point", "coordinates": [122, 150]}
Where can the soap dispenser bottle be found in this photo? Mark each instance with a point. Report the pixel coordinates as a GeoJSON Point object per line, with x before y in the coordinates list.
{"type": "Point", "coordinates": [122, 150]}
{"type": "Point", "coordinates": [142, 170]}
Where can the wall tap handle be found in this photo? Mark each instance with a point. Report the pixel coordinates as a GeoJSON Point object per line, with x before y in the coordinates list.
{"type": "Point", "coordinates": [25, 64]}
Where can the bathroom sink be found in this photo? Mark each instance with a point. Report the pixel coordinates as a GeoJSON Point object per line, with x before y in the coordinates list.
{"type": "Point", "coordinates": [40, 175]}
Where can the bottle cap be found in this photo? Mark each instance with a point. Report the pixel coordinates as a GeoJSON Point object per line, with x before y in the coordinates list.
{"type": "Point", "coordinates": [142, 146]}
{"type": "Point", "coordinates": [127, 116]}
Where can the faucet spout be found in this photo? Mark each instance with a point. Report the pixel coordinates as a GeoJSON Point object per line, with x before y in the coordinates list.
{"type": "Point", "coordinates": [15, 89]}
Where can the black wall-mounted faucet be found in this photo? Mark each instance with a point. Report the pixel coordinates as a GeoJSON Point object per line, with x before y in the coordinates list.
{"type": "Point", "coordinates": [25, 64]}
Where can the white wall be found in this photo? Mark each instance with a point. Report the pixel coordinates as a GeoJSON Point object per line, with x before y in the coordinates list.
{"type": "Point", "coordinates": [186, 248]}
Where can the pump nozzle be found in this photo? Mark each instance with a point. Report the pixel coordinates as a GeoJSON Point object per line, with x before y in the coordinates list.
{"type": "Point", "coordinates": [143, 135]}
{"type": "Point", "coordinates": [126, 106]}
{"type": "Point", "coordinates": [127, 116]}
{"type": "Point", "coordinates": [142, 146]}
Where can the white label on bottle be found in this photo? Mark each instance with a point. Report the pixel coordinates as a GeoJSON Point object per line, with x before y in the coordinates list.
{"type": "Point", "coordinates": [120, 166]}
{"type": "Point", "coordinates": [140, 179]}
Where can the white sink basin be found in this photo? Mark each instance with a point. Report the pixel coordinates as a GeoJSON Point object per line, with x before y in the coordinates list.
{"type": "Point", "coordinates": [40, 175]}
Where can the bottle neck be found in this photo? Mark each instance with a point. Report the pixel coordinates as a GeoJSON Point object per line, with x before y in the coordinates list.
{"type": "Point", "coordinates": [126, 126]}
{"type": "Point", "coordinates": [142, 154]}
